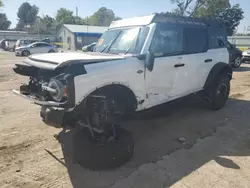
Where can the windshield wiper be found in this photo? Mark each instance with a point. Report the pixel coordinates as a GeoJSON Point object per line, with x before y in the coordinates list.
{"type": "Point", "coordinates": [108, 46]}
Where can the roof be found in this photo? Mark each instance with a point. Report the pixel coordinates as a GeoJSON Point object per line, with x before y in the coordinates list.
{"type": "Point", "coordinates": [39, 43]}
{"type": "Point", "coordinates": [146, 20]}
{"type": "Point", "coordinates": [85, 28]}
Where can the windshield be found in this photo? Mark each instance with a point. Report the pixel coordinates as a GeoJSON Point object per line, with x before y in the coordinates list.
{"type": "Point", "coordinates": [125, 40]}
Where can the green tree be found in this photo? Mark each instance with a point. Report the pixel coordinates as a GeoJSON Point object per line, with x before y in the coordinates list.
{"type": "Point", "coordinates": [117, 18]}
{"type": "Point", "coordinates": [211, 7]}
{"type": "Point", "coordinates": [45, 24]}
{"type": "Point", "coordinates": [20, 25]}
{"type": "Point", "coordinates": [79, 21]}
{"type": "Point", "coordinates": [27, 15]}
{"type": "Point", "coordinates": [4, 22]}
{"type": "Point", "coordinates": [219, 9]}
{"type": "Point", "coordinates": [1, 3]}
{"type": "Point", "coordinates": [65, 16]}
{"type": "Point", "coordinates": [102, 17]}
{"type": "Point", "coordinates": [186, 7]}
{"type": "Point", "coordinates": [231, 17]}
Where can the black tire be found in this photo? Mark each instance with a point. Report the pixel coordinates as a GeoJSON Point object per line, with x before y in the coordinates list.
{"type": "Point", "coordinates": [237, 62]}
{"type": "Point", "coordinates": [219, 92]}
{"type": "Point", "coordinates": [51, 51]}
{"type": "Point", "coordinates": [100, 157]}
{"type": "Point", "coordinates": [25, 53]}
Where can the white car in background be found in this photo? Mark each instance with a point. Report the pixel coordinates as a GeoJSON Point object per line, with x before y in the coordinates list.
{"type": "Point", "coordinates": [34, 48]}
{"type": "Point", "coordinates": [246, 55]}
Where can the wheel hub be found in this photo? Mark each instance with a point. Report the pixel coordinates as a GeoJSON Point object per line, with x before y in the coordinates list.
{"type": "Point", "coordinates": [222, 91]}
{"type": "Point", "coordinates": [237, 61]}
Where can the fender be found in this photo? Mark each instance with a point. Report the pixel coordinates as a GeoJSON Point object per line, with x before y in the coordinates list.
{"type": "Point", "coordinates": [113, 86]}
{"type": "Point", "coordinates": [216, 70]}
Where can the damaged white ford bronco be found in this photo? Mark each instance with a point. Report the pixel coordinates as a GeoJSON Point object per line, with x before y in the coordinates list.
{"type": "Point", "coordinates": [137, 63]}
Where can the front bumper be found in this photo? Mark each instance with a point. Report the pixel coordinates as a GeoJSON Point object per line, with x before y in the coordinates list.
{"type": "Point", "coordinates": [54, 117]}
{"type": "Point", "coordinates": [51, 112]}
{"type": "Point", "coordinates": [246, 57]}
{"type": "Point", "coordinates": [18, 53]}
{"type": "Point", "coordinates": [37, 101]}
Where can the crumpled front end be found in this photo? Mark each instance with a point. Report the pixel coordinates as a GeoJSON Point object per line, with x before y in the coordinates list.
{"type": "Point", "coordinates": [53, 90]}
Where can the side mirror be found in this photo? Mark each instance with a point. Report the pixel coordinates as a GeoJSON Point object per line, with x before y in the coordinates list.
{"type": "Point", "coordinates": [149, 60]}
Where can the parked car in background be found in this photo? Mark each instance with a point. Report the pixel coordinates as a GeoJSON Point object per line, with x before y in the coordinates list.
{"type": "Point", "coordinates": [37, 47]}
{"type": "Point", "coordinates": [24, 42]}
{"type": "Point", "coordinates": [235, 55]}
{"type": "Point", "coordinates": [11, 45]}
{"type": "Point", "coordinates": [89, 48]}
{"type": "Point", "coordinates": [2, 44]}
{"type": "Point", "coordinates": [7, 44]}
{"type": "Point", "coordinates": [246, 55]}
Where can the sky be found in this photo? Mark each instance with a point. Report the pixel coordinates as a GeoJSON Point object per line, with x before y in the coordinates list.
{"type": "Point", "coordinates": [124, 9]}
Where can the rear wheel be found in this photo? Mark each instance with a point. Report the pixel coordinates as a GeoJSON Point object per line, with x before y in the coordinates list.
{"type": "Point", "coordinates": [219, 92]}
{"type": "Point", "coordinates": [26, 53]}
{"type": "Point", "coordinates": [51, 51]}
{"type": "Point", "coordinates": [237, 62]}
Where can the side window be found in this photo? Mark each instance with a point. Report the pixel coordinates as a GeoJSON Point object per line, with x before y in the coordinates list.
{"type": "Point", "coordinates": [196, 40]}
{"type": "Point", "coordinates": [39, 45]}
{"type": "Point", "coordinates": [167, 41]}
{"type": "Point", "coordinates": [44, 45]}
{"type": "Point", "coordinates": [216, 39]}
{"type": "Point", "coordinates": [141, 39]}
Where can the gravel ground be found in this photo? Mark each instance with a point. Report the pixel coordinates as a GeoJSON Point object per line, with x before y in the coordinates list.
{"type": "Point", "coordinates": [180, 145]}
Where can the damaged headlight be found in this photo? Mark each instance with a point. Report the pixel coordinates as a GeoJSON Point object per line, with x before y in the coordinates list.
{"type": "Point", "coordinates": [56, 89]}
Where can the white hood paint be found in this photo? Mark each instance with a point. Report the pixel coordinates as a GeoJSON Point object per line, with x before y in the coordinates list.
{"type": "Point", "coordinates": [55, 60]}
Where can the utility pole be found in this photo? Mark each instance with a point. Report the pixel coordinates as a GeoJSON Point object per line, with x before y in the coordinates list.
{"type": "Point", "coordinates": [76, 41]}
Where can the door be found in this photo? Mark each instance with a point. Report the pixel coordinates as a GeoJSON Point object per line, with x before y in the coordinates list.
{"type": "Point", "coordinates": [167, 47]}
{"type": "Point", "coordinates": [188, 77]}
{"type": "Point", "coordinates": [35, 48]}
{"type": "Point", "coordinates": [44, 48]}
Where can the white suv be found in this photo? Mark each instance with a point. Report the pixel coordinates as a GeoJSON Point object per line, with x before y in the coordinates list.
{"type": "Point", "coordinates": [138, 63]}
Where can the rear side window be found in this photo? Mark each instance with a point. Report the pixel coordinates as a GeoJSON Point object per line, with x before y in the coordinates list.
{"type": "Point", "coordinates": [196, 40]}
{"type": "Point", "coordinates": [217, 39]}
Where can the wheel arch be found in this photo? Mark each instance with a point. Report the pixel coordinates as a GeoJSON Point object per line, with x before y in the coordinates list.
{"type": "Point", "coordinates": [218, 68]}
{"type": "Point", "coordinates": [26, 51]}
{"type": "Point", "coordinates": [122, 92]}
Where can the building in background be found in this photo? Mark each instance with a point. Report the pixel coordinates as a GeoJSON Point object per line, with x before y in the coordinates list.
{"type": "Point", "coordinates": [16, 35]}
{"type": "Point", "coordinates": [76, 36]}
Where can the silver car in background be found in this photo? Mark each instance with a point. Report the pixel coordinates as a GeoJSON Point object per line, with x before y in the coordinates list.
{"type": "Point", "coordinates": [34, 48]}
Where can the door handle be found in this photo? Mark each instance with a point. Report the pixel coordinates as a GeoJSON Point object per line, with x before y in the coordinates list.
{"type": "Point", "coordinates": [140, 71]}
{"type": "Point", "coordinates": [208, 60]}
{"type": "Point", "coordinates": [179, 65]}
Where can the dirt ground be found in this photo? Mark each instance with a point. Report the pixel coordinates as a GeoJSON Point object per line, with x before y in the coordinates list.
{"type": "Point", "coordinates": [216, 151]}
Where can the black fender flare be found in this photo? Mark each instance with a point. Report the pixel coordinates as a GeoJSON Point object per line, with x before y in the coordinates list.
{"type": "Point", "coordinates": [217, 69]}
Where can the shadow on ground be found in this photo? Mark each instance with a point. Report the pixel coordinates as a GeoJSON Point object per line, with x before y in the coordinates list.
{"type": "Point", "coordinates": [156, 135]}
{"type": "Point", "coordinates": [242, 68]}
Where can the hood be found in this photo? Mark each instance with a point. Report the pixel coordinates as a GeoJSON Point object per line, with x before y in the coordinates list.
{"type": "Point", "coordinates": [55, 60]}
{"type": "Point", "coordinates": [21, 47]}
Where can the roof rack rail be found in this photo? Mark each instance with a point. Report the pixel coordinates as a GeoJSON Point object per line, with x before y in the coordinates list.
{"type": "Point", "coordinates": [205, 21]}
